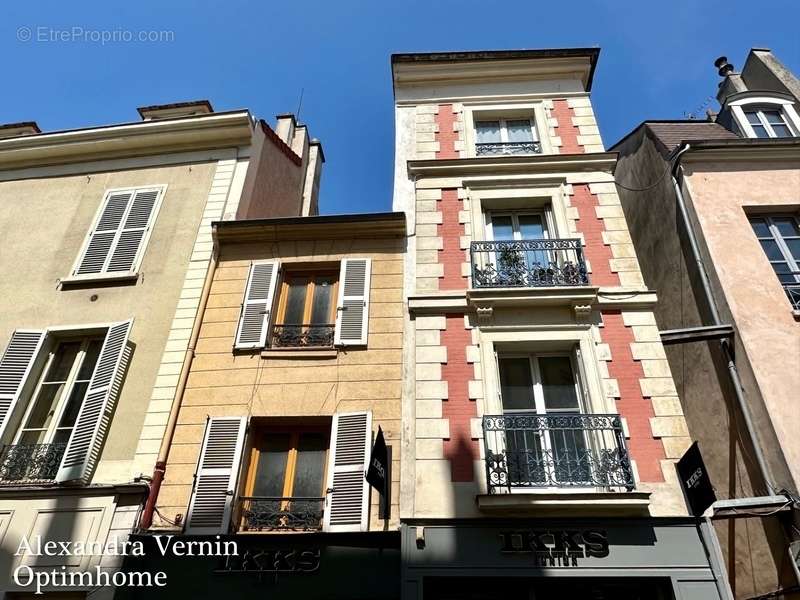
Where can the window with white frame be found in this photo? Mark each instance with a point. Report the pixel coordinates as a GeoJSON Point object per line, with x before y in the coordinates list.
{"type": "Point", "coordinates": [58, 388]}
{"type": "Point", "coordinates": [115, 245]}
{"type": "Point", "coordinates": [768, 122]}
{"type": "Point", "coordinates": [506, 136]}
{"type": "Point", "coordinates": [779, 236]}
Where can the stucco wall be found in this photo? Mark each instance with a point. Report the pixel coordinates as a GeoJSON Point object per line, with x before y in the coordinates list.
{"type": "Point", "coordinates": [44, 224]}
{"type": "Point", "coordinates": [697, 368]}
{"type": "Point", "coordinates": [221, 383]}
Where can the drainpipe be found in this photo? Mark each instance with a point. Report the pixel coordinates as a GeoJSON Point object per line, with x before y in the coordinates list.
{"type": "Point", "coordinates": [727, 351]}
{"type": "Point", "coordinates": [161, 462]}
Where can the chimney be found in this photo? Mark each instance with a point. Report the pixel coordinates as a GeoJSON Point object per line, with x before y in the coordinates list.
{"type": "Point", "coordinates": [175, 111]}
{"type": "Point", "coordinates": [731, 80]}
{"type": "Point", "coordinates": [313, 176]}
{"type": "Point", "coordinates": [284, 127]}
{"type": "Point", "coordinates": [13, 130]}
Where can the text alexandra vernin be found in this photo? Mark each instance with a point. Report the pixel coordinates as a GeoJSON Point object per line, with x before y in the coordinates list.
{"type": "Point", "coordinates": [61, 577]}
{"type": "Point", "coordinates": [35, 546]}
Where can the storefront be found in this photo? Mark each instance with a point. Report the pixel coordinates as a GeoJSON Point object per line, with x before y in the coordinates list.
{"type": "Point", "coordinates": [332, 566]}
{"type": "Point", "coordinates": [527, 559]}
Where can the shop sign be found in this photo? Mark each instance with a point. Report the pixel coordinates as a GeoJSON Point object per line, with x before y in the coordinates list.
{"type": "Point", "coordinates": [272, 562]}
{"type": "Point", "coordinates": [695, 481]}
{"type": "Point", "coordinates": [556, 547]}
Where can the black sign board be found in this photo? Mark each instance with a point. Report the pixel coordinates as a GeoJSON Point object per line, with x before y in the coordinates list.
{"type": "Point", "coordinates": [378, 472]}
{"type": "Point", "coordinates": [695, 481]}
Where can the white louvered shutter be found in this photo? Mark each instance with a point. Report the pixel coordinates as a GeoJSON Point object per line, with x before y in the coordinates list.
{"type": "Point", "coordinates": [352, 320]}
{"type": "Point", "coordinates": [347, 500]}
{"type": "Point", "coordinates": [94, 416]}
{"type": "Point", "coordinates": [257, 305]}
{"type": "Point", "coordinates": [215, 480]}
{"type": "Point", "coordinates": [115, 243]}
{"type": "Point", "coordinates": [15, 368]}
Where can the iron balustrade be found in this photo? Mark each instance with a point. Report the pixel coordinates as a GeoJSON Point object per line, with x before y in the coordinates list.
{"type": "Point", "coordinates": [268, 513]}
{"type": "Point", "coordinates": [793, 290]}
{"type": "Point", "coordinates": [528, 450]}
{"type": "Point", "coordinates": [500, 148]}
{"type": "Point", "coordinates": [302, 335]}
{"type": "Point", "coordinates": [527, 263]}
{"type": "Point", "coordinates": [30, 463]}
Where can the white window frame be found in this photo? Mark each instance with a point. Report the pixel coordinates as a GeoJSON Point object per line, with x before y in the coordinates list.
{"type": "Point", "coordinates": [536, 377]}
{"type": "Point", "coordinates": [759, 113]}
{"type": "Point", "coordinates": [69, 385]}
{"type": "Point", "coordinates": [777, 237]}
{"type": "Point", "coordinates": [545, 213]}
{"type": "Point", "coordinates": [134, 272]}
{"type": "Point", "coordinates": [532, 110]}
{"type": "Point", "coordinates": [503, 122]}
{"type": "Point", "coordinates": [750, 103]}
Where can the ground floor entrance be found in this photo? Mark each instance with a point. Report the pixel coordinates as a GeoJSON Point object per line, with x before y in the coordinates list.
{"type": "Point", "coordinates": [557, 559]}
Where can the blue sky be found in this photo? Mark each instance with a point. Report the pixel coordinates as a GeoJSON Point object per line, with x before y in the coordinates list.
{"type": "Point", "coordinates": [656, 62]}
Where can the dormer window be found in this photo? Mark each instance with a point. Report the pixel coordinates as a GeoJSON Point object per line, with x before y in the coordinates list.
{"type": "Point", "coordinates": [764, 117]}
{"type": "Point", "coordinates": [768, 122]}
{"type": "Point", "coordinates": [506, 136]}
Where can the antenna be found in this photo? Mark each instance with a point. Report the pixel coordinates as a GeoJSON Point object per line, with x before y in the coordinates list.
{"type": "Point", "coordinates": [299, 105]}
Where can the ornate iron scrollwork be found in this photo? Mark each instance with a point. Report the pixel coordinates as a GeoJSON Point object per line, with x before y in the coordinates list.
{"type": "Point", "coordinates": [30, 463]}
{"type": "Point", "coordinates": [302, 335]}
{"type": "Point", "coordinates": [500, 148]}
{"type": "Point", "coordinates": [281, 514]}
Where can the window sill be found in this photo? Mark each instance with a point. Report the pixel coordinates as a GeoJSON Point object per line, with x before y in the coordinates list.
{"type": "Point", "coordinates": [76, 280]}
{"type": "Point", "coordinates": [311, 353]}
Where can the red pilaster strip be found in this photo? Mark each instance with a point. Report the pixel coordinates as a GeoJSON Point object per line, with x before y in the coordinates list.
{"type": "Point", "coordinates": [446, 136]}
{"type": "Point", "coordinates": [592, 227]}
{"type": "Point", "coordinates": [450, 230]}
{"type": "Point", "coordinates": [460, 449]}
{"type": "Point", "coordinates": [646, 450]}
{"type": "Point", "coordinates": [566, 130]}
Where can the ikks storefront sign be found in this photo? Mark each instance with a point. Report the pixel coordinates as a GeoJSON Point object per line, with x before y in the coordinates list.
{"type": "Point", "coordinates": [551, 547]}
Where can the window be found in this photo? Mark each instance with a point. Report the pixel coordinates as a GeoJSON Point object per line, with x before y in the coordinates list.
{"type": "Point", "coordinates": [779, 236]}
{"type": "Point", "coordinates": [315, 306]}
{"type": "Point", "coordinates": [57, 390]}
{"type": "Point", "coordinates": [768, 122]}
{"type": "Point", "coordinates": [306, 309]}
{"type": "Point", "coordinates": [285, 482]}
{"type": "Point", "coordinates": [506, 136]}
{"type": "Point", "coordinates": [115, 245]}
{"type": "Point", "coordinates": [58, 397]}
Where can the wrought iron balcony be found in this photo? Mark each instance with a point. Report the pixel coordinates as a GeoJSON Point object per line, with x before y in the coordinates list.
{"type": "Point", "coordinates": [555, 451]}
{"type": "Point", "coordinates": [300, 335]}
{"type": "Point", "coordinates": [505, 148]}
{"type": "Point", "coordinates": [261, 513]}
{"type": "Point", "coordinates": [793, 292]}
{"type": "Point", "coordinates": [528, 263]}
{"type": "Point", "coordinates": [30, 463]}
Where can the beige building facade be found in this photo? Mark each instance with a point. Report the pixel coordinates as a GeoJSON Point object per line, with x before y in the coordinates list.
{"type": "Point", "coordinates": [106, 235]}
{"type": "Point", "coordinates": [538, 403]}
{"type": "Point", "coordinates": [738, 180]}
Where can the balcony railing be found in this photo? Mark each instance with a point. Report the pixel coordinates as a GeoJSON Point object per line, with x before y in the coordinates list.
{"type": "Point", "coordinates": [555, 451]}
{"type": "Point", "coordinates": [528, 263]}
{"type": "Point", "coordinates": [793, 292]}
{"type": "Point", "coordinates": [30, 463]}
{"type": "Point", "coordinates": [501, 148]}
{"type": "Point", "coordinates": [303, 335]}
{"type": "Point", "coordinates": [262, 513]}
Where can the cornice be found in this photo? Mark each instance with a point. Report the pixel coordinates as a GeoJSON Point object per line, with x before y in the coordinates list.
{"type": "Point", "coordinates": [144, 138]}
{"type": "Point", "coordinates": [773, 150]}
{"type": "Point", "coordinates": [540, 163]}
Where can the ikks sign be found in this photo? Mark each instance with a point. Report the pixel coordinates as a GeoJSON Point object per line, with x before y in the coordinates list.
{"type": "Point", "coordinates": [556, 547]}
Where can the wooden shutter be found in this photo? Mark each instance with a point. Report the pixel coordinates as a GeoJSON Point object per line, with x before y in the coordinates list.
{"type": "Point", "coordinates": [347, 500]}
{"type": "Point", "coordinates": [215, 479]}
{"type": "Point", "coordinates": [86, 441]}
{"type": "Point", "coordinates": [257, 305]}
{"type": "Point", "coordinates": [15, 368]}
{"type": "Point", "coordinates": [352, 321]}
{"type": "Point", "coordinates": [115, 243]}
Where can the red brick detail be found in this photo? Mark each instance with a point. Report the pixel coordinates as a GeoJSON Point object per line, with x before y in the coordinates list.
{"type": "Point", "coordinates": [646, 450]}
{"type": "Point", "coordinates": [446, 137]}
{"type": "Point", "coordinates": [595, 250]}
{"type": "Point", "coordinates": [566, 130]}
{"type": "Point", "coordinates": [460, 449]}
{"type": "Point", "coordinates": [450, 230]}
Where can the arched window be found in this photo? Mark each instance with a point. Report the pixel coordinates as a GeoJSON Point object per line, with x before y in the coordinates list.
{"type": "Point", "coordinates": [761, 116]}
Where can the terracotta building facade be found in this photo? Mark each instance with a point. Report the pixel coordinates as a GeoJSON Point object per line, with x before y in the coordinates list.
{"type": "Point", "coordinates": [541, 424]}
